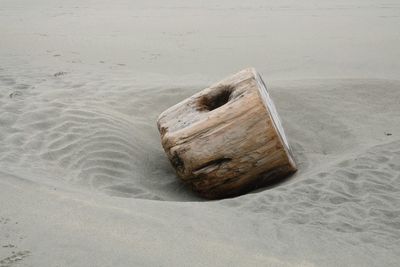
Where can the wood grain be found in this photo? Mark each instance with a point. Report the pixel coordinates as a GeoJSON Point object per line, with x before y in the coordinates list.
{"type": "Point", "coordinates": [227, 139]}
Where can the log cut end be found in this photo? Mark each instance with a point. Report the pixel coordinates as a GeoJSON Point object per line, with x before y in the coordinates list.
{"type": "Point", "coordinates": [271, 110]}
{"type": "Point", "coordinates": [227, 139]}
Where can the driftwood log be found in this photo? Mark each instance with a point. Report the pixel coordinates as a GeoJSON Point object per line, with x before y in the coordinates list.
{"type": "Point", "coordinates": [227, 139]}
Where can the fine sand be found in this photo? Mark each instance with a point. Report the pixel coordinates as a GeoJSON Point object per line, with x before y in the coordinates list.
{"type": "Point", "coordinates": [84, 180]}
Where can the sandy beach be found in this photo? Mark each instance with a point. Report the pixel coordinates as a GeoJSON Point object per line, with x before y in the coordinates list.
{"type": "Point", "coordinates": [84, 180]}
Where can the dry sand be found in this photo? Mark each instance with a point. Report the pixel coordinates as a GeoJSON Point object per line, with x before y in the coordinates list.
{"type": "Point", "coordinates": [84, 180]}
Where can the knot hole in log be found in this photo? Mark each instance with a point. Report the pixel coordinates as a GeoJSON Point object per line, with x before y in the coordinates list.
{"type": "Point", "coordinates": [177, 162]}
{"type": "Point", "coordinates": [227, 139]}
{"type": "Point", "coordinates": [216, 98]}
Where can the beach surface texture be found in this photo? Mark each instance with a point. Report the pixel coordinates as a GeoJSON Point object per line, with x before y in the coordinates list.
{"type": "Point", "coordinates": [84, 180]}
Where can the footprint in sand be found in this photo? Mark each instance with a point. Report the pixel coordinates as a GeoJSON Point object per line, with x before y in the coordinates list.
{"type": "Point", "coordinates": [14, 258]}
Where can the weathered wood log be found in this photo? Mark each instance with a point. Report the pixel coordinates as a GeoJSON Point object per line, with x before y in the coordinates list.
{"type": "Point", "coordinates": [227, 139]}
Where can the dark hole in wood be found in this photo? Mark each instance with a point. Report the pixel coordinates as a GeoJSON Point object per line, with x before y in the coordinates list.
{"type": "Point", "coordinates": [177, 162]}
{"type": "Point", "coordinates": [217, 98]}
{"type": "Point", "coordinates": [163, 130]}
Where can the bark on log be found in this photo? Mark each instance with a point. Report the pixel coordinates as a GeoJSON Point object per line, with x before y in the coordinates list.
{"type": "Point", "coordinates": [227, 139]}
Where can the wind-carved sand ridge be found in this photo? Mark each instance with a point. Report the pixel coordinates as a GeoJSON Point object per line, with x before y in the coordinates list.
{"type": "Point", "coordinates": [90, 132]}
{"type": "Point", "coordinates": [357, 196]}
{"type": "Point", "coordinates": [84, 180]}
{"type": "Point", "coordinates": [105, 150]}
